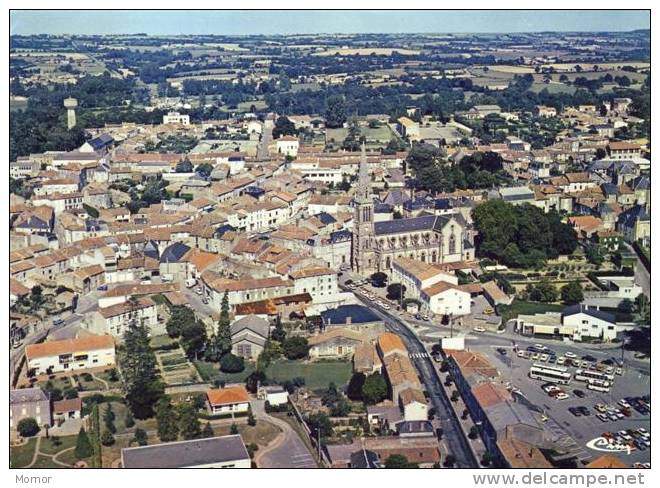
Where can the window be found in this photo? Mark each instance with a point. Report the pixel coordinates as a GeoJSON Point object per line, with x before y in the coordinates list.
{"type": "Point", "coordinates": [452, 244]}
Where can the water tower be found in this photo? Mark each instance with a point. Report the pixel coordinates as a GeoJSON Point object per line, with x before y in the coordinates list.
{"type": "Point", "coordinates": [70, 104]}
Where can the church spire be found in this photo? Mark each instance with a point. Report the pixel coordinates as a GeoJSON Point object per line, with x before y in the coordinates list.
{"type": "Point", "coordinates": [363, 194]}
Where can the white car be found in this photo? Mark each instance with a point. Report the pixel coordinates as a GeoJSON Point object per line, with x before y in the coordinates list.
{"type": "Point", "coordinates": [543, 357]}
{"type": "Point", "coordinates": [561, 360]}
{"type": "Point", "coordinates": [561, 396]}
{"type": "Point", "coordinates": [479, 329]}
{"type": "Point", "coordinates": [619, 371]}
{"type": "Point", "coordinates": [540, 347]}
{"type": "Point", "coordinates": [570, 355]}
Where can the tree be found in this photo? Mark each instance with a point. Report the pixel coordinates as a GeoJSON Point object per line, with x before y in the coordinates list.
{"type": "Point", "coordinates": [626, 306]}
{"type": "Point", "coordinates": [189, 425]}
{"type": "Point", "coordinates": [378, 279]}
{"type": "Point", "coordinates": [335, 112]}
{"type": "Point", "coordinates": [107, 439]}
{"type": "Point", "coordinates": [207, 431]}
{"type": "Point", "coordinates": [455, 396]}
{"type": "Point", "coordinates": [395, 291]}
{"type": "Point", "coordinates": [283, 127]}
{"type": "Point", "coordinates": [204, 170]}
{"type": "Point", "coordinates": [140, 372]}
{"type": "Point", "coordinates": [28, 427]}
{"type": "Point", "coordinates": [571, 293]}
{"type": "Point", "coordinates": [255, 379]}
{"type": "Point", "coordinates": [474, 432]}
{"type": "Point", "coordinates": [193, 338]}
{"type": "Point", "coordinates": [399, 461]}
{"type": "Point", "coordinates": [129, 421]}
{"type": "Point", "coordinates": [70, 393]}
{"type": "Point", "coordinates": [278, 334]}
{"type": "Point", "coordinates": [109, 418]}
{"type": "Point", "coordinates": [223, 336]}
{"type": "Point", "coordinates": [486, 459]}
{"type": "Point", "coordinates": [231, 363]}
{"type": "Point", "coordinates": [374, 389]}
{"type": "Point", "coordinates": [184, 166]}
{"type": "Point", "coordinates": [251, 420]}
{"type": "Point", "coordinates": [354, 388]}
{"type": "Point", "coordinates": [166, 420]}
{"type": "Point", "coordinates": [320, 425]}
{"type": "Point", "coordinates": [295, 347]}
{"type": "Point", "coordinates": [83, 445]}
{"type": "Point", "coordinates": [233, 430]}
{"type": "Point", "coordinates": [140, 437]}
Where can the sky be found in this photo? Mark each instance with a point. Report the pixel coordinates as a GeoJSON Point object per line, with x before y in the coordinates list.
{"type": "Point", "coordinates": [315, 22]}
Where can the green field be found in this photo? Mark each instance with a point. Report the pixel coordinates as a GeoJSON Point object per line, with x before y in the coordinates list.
{"type": "Point", "coordinates": [47, 446]}
{"type": "Point", "coordinates": [317, 375]}
{"type": "Point", "coordinates": [21, 456]}
{"type": "Point", "coordinates": [382, 134]}
{"type": "Point", "coordinates": [526, 308]}
{"type": "Point", "coordinates": [211, 372]}
{"type": "Point", "coordinates": [552, 88]}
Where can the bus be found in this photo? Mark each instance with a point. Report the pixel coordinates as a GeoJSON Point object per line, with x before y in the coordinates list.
{"type": "Point", "coordinates": [598, 385]}
{"type": "Point", "coordinates": [590, 374]}
{"type": "Point", "coordinates": [552, 374]}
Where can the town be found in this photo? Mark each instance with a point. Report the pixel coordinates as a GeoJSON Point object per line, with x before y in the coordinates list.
{"type": "Point", "coordinates": [324, 251]}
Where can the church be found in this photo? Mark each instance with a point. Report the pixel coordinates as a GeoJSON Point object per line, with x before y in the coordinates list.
{"type": "Point", "coordinates": [434, 239]}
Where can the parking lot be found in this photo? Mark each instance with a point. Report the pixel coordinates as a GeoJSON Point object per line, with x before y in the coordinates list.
{"type": "Point", "coordinates": [577, 433]}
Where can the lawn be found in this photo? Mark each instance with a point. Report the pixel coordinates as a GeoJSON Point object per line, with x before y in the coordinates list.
{"type": "Point", "coordinates": [528, 308]}
{"type": "Point", "coordinates": [21, 456]}
{"type": "Point", "coordinates": [261, 434]}
{"type": "Point", "coordinates": [47, 446]}
{"type": "Point", "coordinates": [161, 340]}
{"type": "Point", "coordinates": [44, 462]}
{"type": "Point", "coordinates": [211, 372]}
{"type": "Point", "coordinates": [317, 375]}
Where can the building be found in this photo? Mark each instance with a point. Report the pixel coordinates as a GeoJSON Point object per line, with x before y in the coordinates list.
{"type": "Point", "coordinates": [176, 118]}
{"type": "Point", "coordinates": [577, 322]}
{"type": "Point", "coordinates": [408, 128]}
{"type": "Point", "coordinates": [228, 401]}
{"type": "Point", "coordinates": [64, 410]}
{"type": "Point", "coordinates": [624, 150]}
{"type": "Point", "coordinates": [275, 395]}
{"type": "Point", "coordinates": [317, 281]}
{"type": "Point", "coordinates": [214, 452]}
{"type": "Point", "coordinates": [29, 403]}
{"type": "Point", "coordinates": [429, 239]}
{"type": "Point", "coordinates": [445, 299]}
{"type": "Point", "coordinates": [70, 355]}
{"type": "Point", "coordinates": [417, 275]}
{"type": "Point", "coordinates": [287, 145]}
{"type": "Point", "coordinates": [115, 319]}
{"type": "Point", "coordinates": [335, 343]}
{"type": "Point", "coordinates": [248, 336]}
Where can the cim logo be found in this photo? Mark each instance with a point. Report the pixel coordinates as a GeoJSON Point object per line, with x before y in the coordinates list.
{"type": "Point", "coordinates": [607, 445]}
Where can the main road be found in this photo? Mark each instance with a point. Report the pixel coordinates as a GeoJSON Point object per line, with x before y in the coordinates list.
{"type": "Point", "coordinates": [453, 436]}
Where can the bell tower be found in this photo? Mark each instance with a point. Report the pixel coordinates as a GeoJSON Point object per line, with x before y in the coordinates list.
{"type": "Point", "coordinates": [363, 221]}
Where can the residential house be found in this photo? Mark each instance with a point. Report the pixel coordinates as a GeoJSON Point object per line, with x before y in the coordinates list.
{"type": "Point", "coordinates": [71, 354]}
{"type": "Point", "coordinates": [248, 336]}
{"type": "Point", "coordinates": [29, 403]}
{"type": "Point", "coordinates": [230, 400]}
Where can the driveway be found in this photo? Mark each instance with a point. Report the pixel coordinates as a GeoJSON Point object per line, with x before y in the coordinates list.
{"type": "Point", "coordinates": [287, 450]}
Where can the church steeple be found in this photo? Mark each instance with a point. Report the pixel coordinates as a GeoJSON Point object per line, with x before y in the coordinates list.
{"type": "Point", "coordinates": [363, 192]}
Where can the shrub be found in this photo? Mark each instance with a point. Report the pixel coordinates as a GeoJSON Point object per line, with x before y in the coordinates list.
{"type": "Point", "coordinates": [229, 363]}
{"type": "Point", "coordinates": [28, 427]}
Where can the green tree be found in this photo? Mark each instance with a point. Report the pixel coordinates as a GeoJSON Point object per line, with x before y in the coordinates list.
{"type": "Point", "coordinates": [295, 347]}
{"type": "Point", "coordinates": [335, 112]}
{"type": "Point", "coordinates": [320, 425]}
{"type": "Point", "coordinates": [204, 170]}
{"type": "Point", "coordinates": [278, 334]}
{"type": "Point", "coordinates": [399, 461]}
{"type": "Point", "coordinates": [207, 431]}
{"type": "Point", "coordinates": [251, 420]}
{"type": "Point", "coordinates": [396, 291]}
{"type": "Point", "coordinates": [374, 389]}
{"type": "Point", "coordinates": [140, 437]}
{"type": "Point", "coordinates": [189, 425]}
{"type": "Point", "coordinates": [107, 439]}
{"type": "Point", "coordinates": [109, 418]}
{"type": "Point", "coordinates": [166, 420]}
{"type": "Point", "coordinates": [571, 293]}
{"type": "Point", "coordinates": [354, 388]}
{"type": "Point", "coordinates": [378, 279]}
{"type": "Point", "coordinates": [27, 427]}
{"type": "Point", "coordinates": [233, 430]}
{"type": "Point", "coordinates": [231, 363]}
{"type": "Point", "coordinates": [70, 393]}
{"type": "Point", "coordinates": [142, 382]}
{"type": "Point", "coordinates": [83, 445]}
{"type": "Point", "coordinates": [184, 166]}
{"type": "Point", "coordinates": [283, 127]}
{"type": "Point", "coordinates": [129, 421]}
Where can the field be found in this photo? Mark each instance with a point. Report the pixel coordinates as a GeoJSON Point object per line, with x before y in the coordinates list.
{"type": "Point", "coordinates": [367, 51]}
{"type": "Point", "coordinates": [317, 375]}
{"type": "Point", "coordinates": [379, 134]}
{"type": "Point", "coordinates": [526, 308]}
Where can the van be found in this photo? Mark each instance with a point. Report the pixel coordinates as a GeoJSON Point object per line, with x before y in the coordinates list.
{"type": "Point", "coordinates": [190, 282]}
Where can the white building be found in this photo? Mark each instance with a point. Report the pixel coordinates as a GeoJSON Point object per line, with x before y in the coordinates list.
{"type": "Point", "coordinates": [317, 281]}
{"type": "Point", "coordinates": [115, 319]}
{"type": "Point", "coordinates": [228, 400]}
{"type": "Point", "coordinates": [275, 395]}
{"type": "Point", "coordinates": [413, 404]}
{"type": "Point", "coordinates": [416, 275]}
{"type": "Point", "coordinates": [576, 322]}
{"type": "Point", "coordinates": [445, 299]}
{"type": "Point", "coordinates": [69, 355]}
{"type": "Point", "coordinates": [176, 118]}
{"type": "Point", "coordinates": [288, 145]}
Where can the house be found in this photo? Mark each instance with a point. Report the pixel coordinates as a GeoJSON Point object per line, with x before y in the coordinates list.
{"type": "Point", "coordinates": [607, 461]}
{"type": "Point", "coordinates": [366, 359]}
{"type": "Point", "coordinates": [214, 452]}
{"type": "Point", "coordinates": [35, 221]}
{"type": "Point", "coordinates": [176, 118]}
{"type": "Point", "coordinates": [335, 343]}
{"type": "Point", "coordinates": [516, 195]}
{"type": "Point", "coordinates": [355, 317]}
{"type": "Point", "coordinates": [67, 409]}
{"type": "Point", "coordinates": [414, 405]}
{"type": "Point", "coordinates": [287, 145]}
{"type": "Point", "coordinates": [248, 336]}
{"type": "Point", "coordinates": [543, 111]}
{"type": "Point", "coordinates": [415, 275]}
{"type": "Point", "coordinates": [589, 323]}
{"type": "Point", "coordinates": [624, 150]}
{"type": "Point", "coordinates": [115, 319]}
{"type": "Point", "coordinates": [100, 144]}
{"type": "Point", "coordinates": [70, 355]}
{"type": "Point", "coordinates": [408, 128]}
{"type": "Point", "coordinates": [317, 281]}
{"type": "Point", "coordinates": [29, 403]}
{"type": "Point", "coordinates": [518, 454]}
{"type": "Point", "coordinates": [229, 400]}
{"type": "Point", "coordinates": [445, 299]}
{"type": "Point", "coordinates": [635, 224]}
{"type": "Point", "coordinates": [275, 395]}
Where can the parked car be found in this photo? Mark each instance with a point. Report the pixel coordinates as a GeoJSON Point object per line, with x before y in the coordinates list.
{"type": "Point", "coordinates": [579, 393]}
{"type": "Point", "coordinates": [479, 329]}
